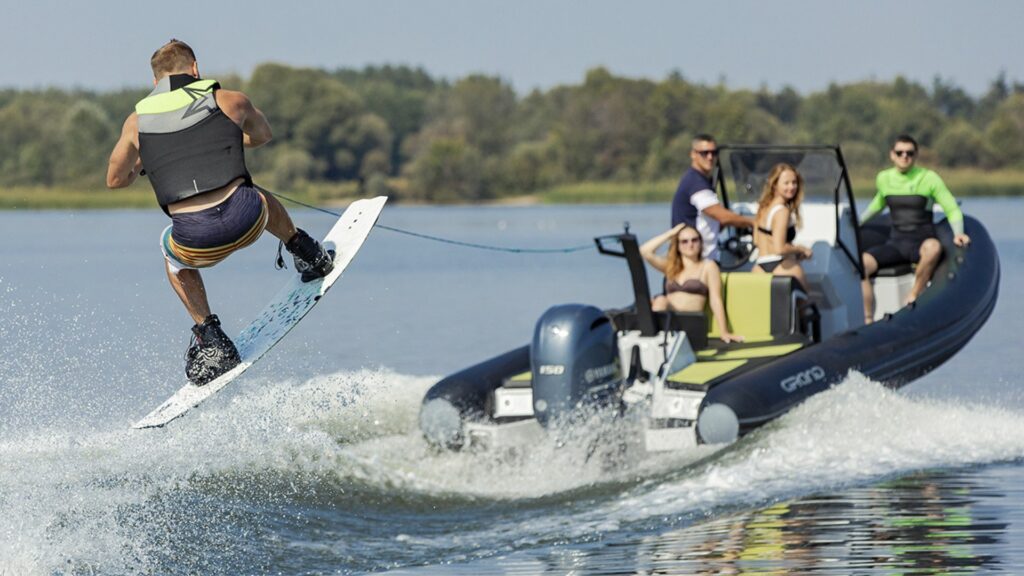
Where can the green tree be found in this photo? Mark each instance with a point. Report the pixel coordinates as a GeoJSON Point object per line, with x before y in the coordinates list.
{"type": "Point", "coordinates": [843, 113]}
{"type": "Point", "coordinates": [291, 167]}
{"type": "Point", "coordinates": [314, 112]}
{"type": "Point", "coordinates": [482, 110]}
{"type": "Point", "coordinates": [398, 94]}
{"type": "Point", "coordinates": [1005, 133]}
{"type": "Point", "coordinates": [785, 105]}
{"type": "Point", "coordinates": [533, 165]}
{"type": "Point", "coordinates": [998, 91]}
{"type": "Point", "coordinates": [87, 137]}
{"type": "Point", "coordinates": [606, 128]}
{"type": "Point", "coordinates": [677, 107]}
{"type": "Point", "coordinates": [735, 117]}
{"type": "Point", "coordinates": [951, 100]}
{"type": "Point", "coordinates": [446, 170]}
{"type": "Point", "coordinates": [30, 138]}
{"type": "Point", "coordinates": [961, 144]}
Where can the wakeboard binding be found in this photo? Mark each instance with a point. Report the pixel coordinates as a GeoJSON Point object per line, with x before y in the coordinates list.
{"type": "Point", "coordinates": [210, 354]}
{"type": "Point", "coordinates": [312, 260]}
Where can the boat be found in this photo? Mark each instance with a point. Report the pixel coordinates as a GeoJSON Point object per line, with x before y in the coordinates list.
{"type": "Point", "coordinates": [688, 386]}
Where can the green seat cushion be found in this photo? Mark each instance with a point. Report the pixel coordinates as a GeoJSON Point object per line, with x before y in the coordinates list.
{"type": "Point", "coordinates": [747, 352]}
{"type": "Point", "coordinates": [747, 297]}
{"type": "Point", "coordinates": [703, 372]}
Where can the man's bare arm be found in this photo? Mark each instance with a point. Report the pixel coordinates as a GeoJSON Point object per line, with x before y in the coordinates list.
{"type": "Point", "coordinates": [125, 164]}
{"type": "Point", "coordinates": [727, 217]}
{"type": "Point", "coordinates": [254, 125]}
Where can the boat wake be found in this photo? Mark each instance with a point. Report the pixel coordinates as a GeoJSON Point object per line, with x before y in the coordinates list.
{"type": "Point", "coordinates": [306, 463]}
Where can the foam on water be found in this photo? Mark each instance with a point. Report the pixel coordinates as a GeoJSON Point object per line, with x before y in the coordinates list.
{"type": "Point", "coordinates": [120, 501]}
{"type": "Point", "coordinates": [75, 496]}
{"type": "Point", "coordinates": [856, 433]}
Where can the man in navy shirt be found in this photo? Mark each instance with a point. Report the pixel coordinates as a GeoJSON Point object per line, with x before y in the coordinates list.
{"type": "Point", "coordinates": [696, 203]}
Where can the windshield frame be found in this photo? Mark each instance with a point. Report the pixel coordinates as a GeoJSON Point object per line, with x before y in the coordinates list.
{"type": "Point", "coordinates": [720, 174]}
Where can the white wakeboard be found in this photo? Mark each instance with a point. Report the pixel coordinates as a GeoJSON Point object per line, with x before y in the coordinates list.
{"type": "Point", "coordinates": [282, 314]}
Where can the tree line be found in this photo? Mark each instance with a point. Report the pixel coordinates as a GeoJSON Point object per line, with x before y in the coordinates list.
{"type": "Point", "coordinates": [398, 130]}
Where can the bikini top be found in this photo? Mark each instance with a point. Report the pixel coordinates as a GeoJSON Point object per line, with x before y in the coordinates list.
{"type": "Point", "coordinates": [690, 286]}
{"type": "Point", "coordinates": [790, 232]}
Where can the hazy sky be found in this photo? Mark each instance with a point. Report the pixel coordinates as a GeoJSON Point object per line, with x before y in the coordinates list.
{"type": "Point", "coordinates": [104, 44]}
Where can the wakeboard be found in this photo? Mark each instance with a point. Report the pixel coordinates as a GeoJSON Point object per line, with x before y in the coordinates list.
{"type": "Point", "coordinates": [290, 305]}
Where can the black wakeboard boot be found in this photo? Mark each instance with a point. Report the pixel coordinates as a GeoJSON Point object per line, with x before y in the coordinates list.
{"type": "Point", "coordinates": [210, 354]}
{"type": "Point", "coordinates": [311, 259]}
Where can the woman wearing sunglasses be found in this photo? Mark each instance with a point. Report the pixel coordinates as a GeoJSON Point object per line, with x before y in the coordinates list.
{"type": "Point", "coordinates": [778, 217]}
{"type": "Point", "coordinates": [692, 281]}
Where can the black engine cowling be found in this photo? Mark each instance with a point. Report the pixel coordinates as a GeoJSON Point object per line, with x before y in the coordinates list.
{"type": "Point", "coordinates": [574, 362]}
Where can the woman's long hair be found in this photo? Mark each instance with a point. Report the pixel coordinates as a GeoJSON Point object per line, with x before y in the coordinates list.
{"type": "Point", "coordinates": [675, 257]}
{"type": "Point", "coordinates": [768, 193]}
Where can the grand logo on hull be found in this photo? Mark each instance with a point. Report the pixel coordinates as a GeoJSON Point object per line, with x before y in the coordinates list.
{"type": "Point", "coordinates": [792, 383]}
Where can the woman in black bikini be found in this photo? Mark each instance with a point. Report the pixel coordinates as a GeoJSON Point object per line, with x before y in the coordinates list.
{"type": "Point", "coordinates": [778, 217]}
{"type": "Point", "coordinates": [692, 281]}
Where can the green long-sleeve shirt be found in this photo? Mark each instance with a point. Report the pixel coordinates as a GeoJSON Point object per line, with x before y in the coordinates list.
{"type": "Point", "coordinates": [916, 181]}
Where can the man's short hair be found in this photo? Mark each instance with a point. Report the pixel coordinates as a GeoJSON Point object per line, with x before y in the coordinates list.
{"type": "Point", "coordinates": [175, 56]}
{"type": "Point", "coordinates": [702, 138]}
{"type": "Point", "coordinates": [906, 139]}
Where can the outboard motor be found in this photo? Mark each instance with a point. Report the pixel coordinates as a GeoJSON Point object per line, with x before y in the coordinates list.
{"type": "Point", "coordinates": [574, 361]}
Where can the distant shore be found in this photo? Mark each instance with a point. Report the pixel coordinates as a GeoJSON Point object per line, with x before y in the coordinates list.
{"type": "Point", "coordinates": [963, 182]}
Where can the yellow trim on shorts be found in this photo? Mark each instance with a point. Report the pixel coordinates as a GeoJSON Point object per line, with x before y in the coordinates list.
{"type": "Point", "coordinates": [206, 257]}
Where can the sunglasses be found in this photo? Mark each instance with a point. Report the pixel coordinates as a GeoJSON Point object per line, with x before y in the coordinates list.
{"type": "Point", "coordinates": [685, 241]}
{"type": "Point", "coordinates": [707, 153]}
{"type": "Point", "coordinates": [907, 153]}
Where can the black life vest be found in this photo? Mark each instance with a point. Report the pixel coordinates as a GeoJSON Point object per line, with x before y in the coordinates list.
{"type": "Point", "coordinates": [187, 144]}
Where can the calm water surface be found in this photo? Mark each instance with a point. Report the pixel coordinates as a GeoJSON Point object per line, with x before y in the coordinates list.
{"type": "Point", "coordinates": [312, 463]}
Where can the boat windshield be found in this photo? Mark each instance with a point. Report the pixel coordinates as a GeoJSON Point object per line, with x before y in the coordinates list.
{"type": "Point", "coordinates": [747, 169]}
{"type": "Point", "coordinates": [743, 170]}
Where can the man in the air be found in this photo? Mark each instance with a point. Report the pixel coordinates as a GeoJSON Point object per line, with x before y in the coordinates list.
{"type": "Point", "coordinates": [189, 137]}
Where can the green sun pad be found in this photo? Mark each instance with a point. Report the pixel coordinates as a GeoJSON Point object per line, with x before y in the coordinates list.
{"type": "Point", "coordinates": [703, 372]}
{"type": "Point", "coordinates": [747, 352]}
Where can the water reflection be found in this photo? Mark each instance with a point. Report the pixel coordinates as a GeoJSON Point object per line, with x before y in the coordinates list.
{"type": "Point", "coordinates": [929, 523]}
{"type": "Point", "coordinates": [924, 524]}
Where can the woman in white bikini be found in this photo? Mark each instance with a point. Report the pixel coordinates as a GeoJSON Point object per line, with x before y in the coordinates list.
{"type": "Point", "coordinates": [778, 217]}
{"type": "Point", "coordinates": [691, 281]}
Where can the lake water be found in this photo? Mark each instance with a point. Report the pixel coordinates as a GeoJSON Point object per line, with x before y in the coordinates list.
{"type": "Point", "coordinates": [312, 463]}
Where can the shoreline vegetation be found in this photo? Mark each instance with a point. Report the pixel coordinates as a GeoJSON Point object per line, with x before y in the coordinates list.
{"type": "Point", "coordinates": [963, 182]}
{"type": "Point", "coordinates": [398, 131]}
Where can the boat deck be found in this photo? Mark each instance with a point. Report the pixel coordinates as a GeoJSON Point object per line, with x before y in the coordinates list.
{"type": "Point", "coordinates": [721, 359]}
{"type": "Point", "coordinates": [716, 362]}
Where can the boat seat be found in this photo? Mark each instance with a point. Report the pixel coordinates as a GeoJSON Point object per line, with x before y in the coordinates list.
{"type": "Point", "coordinates": [764, 309]}
{"type": "Point", "coordinates": [894, 271]}
{"type": "Point", "coordinates": [757, 305]}
{"type": "Point", "coordinates": [722, 358]}
{"type": "Point", "coordinates": [521, 380]}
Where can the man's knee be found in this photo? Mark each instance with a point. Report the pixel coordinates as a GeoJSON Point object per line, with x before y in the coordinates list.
{"type": "Point", "coordinates": [931, 249]}
{"type": "Point", "coordinates": [870, 264]}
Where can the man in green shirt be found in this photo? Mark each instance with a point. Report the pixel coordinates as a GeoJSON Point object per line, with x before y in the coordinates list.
{"type": "Point", "coordinates": [909, 192]}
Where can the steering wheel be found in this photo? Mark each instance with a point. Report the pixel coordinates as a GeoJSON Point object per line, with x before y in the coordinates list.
{"type": "Point", "coordinates": [736, 249]}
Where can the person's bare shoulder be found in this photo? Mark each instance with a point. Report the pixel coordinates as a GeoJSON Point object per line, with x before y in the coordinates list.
{"type": "Point", "coordinates": [234, 104]}
{"type": "Point", "coordinates": [130, 129]}
{"type": "Point", "coordinates": [781, 215]}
